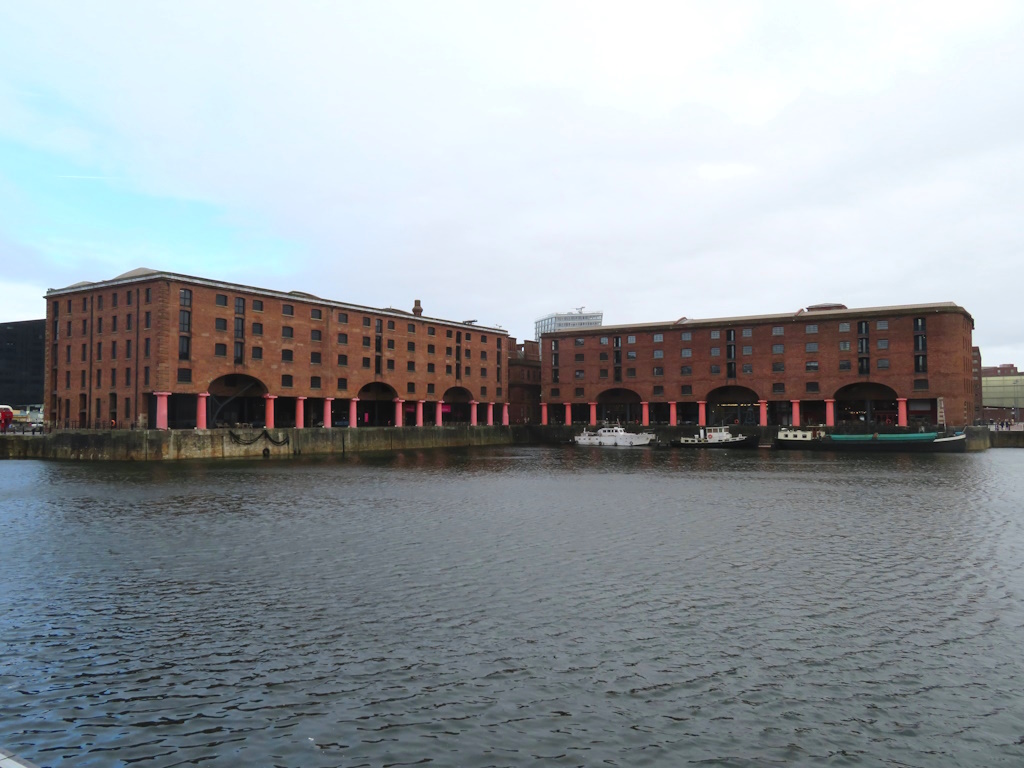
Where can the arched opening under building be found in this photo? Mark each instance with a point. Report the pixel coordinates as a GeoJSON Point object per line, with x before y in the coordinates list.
{"type": "Point", "coordinates": [456, 405]}
{"type": "Point", "coordinates": [619, 406]}
{"type": "Point", "coordinates": [733, 405]}
{"type": "Point", "coordinates": [866, 404]}
{"type": "Point", "coordinates": [376, 407]}
{"type": "Point", "coordinates": [235, 400]}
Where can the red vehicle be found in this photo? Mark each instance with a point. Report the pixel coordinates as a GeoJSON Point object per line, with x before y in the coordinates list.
{"type": "Point", "coordinates": [6, 418]}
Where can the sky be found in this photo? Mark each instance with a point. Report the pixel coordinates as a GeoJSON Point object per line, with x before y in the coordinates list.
{"type": "Point", "coordinates": [501, 161]}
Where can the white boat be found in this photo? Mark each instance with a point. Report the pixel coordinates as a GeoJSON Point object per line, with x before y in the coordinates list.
{"type": "Point", "coordinates": [615, 436]}
{"type": "Point", "coordinates": [715, 437]}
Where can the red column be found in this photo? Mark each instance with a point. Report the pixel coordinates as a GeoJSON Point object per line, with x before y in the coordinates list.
{"type": "Point", "coordinates": [268, 410]}
{"type": "Point", "coordinates": [672, 415]}
{"type": "Point", "coordinates": [568, 414]}
{"type": "Point", "coordinates": [593, 414]}
{"type": "Point", "coordinates": [161, 409]}
{"type": "Point", "coordinates": [830, 413]}
{"type": "Point", "coordinates": [490, 414]}
{"type": "Point", "coordinates": [201, 410]}
{"type": "Point", "coordinates": [300, 411]}
{"type": "Point", "coordinates": [645, 419]}
{"type": "Point", "coordinates": [419, 413]}
{"type": "Point", "coordinates": [504, 414]}
{"type": "Point", "coordinates": [901, 404]}
{"type": "Point", "coordinates": [399, 412]}
{"type": "Point", "coordinates": [795, 421]}
{"type": "Point", "coordinates": [472, 413]}
{"type": "Point", "coordinates": [764, 412]}
{"type": "Point", "coordinates": [437, 414]}
{"type": "Point", "coordinates": [353, 412]}
{"type": "Point", "coordinates": [702, 413]}
{"type": "Point", "coordinates": [544, 414]}
{"type": "Point", "coordinates": [328, 403]}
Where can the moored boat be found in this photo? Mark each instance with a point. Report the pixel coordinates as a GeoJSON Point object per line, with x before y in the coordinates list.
{"type": "Point", "coordinates": [715, 437]}
{"type": "Point", "coordinates": [909, 442]}
{"type": "Point", "coordinates": [615, 436]}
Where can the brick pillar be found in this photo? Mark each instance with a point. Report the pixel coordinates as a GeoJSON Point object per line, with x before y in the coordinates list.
{"type": "Point", "coordinates": [544, 414]}
{"type": "Point", "coordinates": [830, 413]}
{"type": "Point", "coordinates": [673, 417]}
{"type": "Point", "coordinates": [702, 413]}
{"type": "Point", "coordinates": [161, 409]}
{"type": "Point", "coordinates": [201, 410]}
{"type": "Point", "coordinates": [901, 404]}
{"type": "Point", "coordinates": [764, 412]}
{"type": "Point", "coordinates": [328, 404]}
{"type": "Point", "coordinates": [419, 413]}
{"type": "Point", "coordinates": [504, 414]}
{"type": "Point", "coordinates": [353, 413]}
{"type": "Point", "coordinates": [645, 418]}
{"type": "Point", "coordinates": [795, 420]}
{"type": "Point", "coordinates": [593, 414]}
{"type": "Point", "coordinates": [300, 411]}
{"type": "Point", "coordinates": [268, 410]}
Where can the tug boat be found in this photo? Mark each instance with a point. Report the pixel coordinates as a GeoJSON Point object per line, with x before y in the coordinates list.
{"type": "Point", "coordinates": [910, 442]}
{"type": "Point", "coordinates": [615, 436]}
{"type": "Point", "coordinates": [715, 437]}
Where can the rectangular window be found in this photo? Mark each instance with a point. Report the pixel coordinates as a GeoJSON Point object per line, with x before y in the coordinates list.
{"type": "Point", "coordinates": [811, 329]}
{"type": "Point", "coordinates": [686, 336]}
{"type": "Point", "coordinates": [631, 373]}
{"type": "Point", "coordinates": [145, 343]}
{"type": "Point", "coordinates": [882, 364]}
{"type": "Point", "coordinates": [919, 325]}
{"type": "Point", "coordinates": [716, 334]}
{"type": "Point", "coordinates": [631, 339]}
{"type": "Point", "coordinates": [342, 383]}
{"type": "Point", "coordinates": [113, 324]}
{"type": "Point", "coordinates": [286, 380]}
{"type": "Point", "coordinates": [184, 321]}
{"type": "Point", "coordinates": [812, 386]}
{"type": "Point", "coordinates": [316, 314]}
{"type": "Point", "coordinates": [920, 363]}
{"type": "Point", "coordinates": [716, 351]}
{"type": "Point", "coordinates": [99, 350]}
{"type": "Point", "coordinates": [631, 354]}
{"type": "Point", "coordinates": [844, 346]}
{"type": "Point", "coordinates": [221, 300]}
{"type": "Point", "coordinates": [844, 365]}
{"type": "Point", "coordinates": [99, 325]}
{"type": "Point", "coordinates": [658, 390]}
{"type": "Point", "coordinates": [748, 333]}
{"type": "Point", "coordinates": [778, 388]}
{"type": "Point", "coordinates": [882, 325]}
{"type": "Point", "coordinates": [127, 321]}
{"type": "Point", "coordinates": [659, 371]}
{"type": "Point", "coordinates": [430, 367]}
{"type": "Point", "coordinates": [366, 362]}
{"type": "Point", "coordinates": [431, 330]}
{"type": "Point", "coordinates": [602, 373]}
{"type": "Point", "coordinates": [811, 365]}
{"type": "Point", "coordinates": [863, 346]}
{"type": "Point", "coordinates": [257, 329]}
{"type": "Point", "coordinates": [145, 371]}
{"type": "Point", "coordinates": [391, 327]}
{"type": "Point", "coordinates": [411, 328]}
{"type": "Point", "coordinates": [686, 352]}
{"type": "Point", "coordinates": [147, 320]}
{"type": "Point", "coordinates": [391, 366]}
{"type": "Point", "coordinates": [239, 305]}
{"type": "Point", "coordinates": [844, 327]}
{"type": "Point", "coordinates": [658, 338]}
{"type": "Point", "coordinates": [811, 346]}
{"type": "Point", "coordinates": [315, 358]}
{"type": "Point", "coordinates": [882, 343]}
{"type": "Point", "coordinates": [366, 322]}
{"type": "Point", "coordinates": [863, 365]}
{"type": "Point", "coordinates": [748, 367]}
{"type": "Point", "coordinates": [184, 375]}
{"type": "Point", "coordinates": [778, 330]}
{"type": "Point", "coordinates": [184, 347]}
{"type": "Point", "coordinates": [920, 343]}
{"type": "Point", "coordinates": [316, 335]}
{"type": "Point", "coordinates": [287, 332]}
{"type": "Point", "coordinates": [410, 366]}
{"type": "Point", "coordinates": [685, 370]}
{"type": "Point", "coordinates": [748, 350]}
{"type": "Point", "coordinates": [239, 352]}
{"type": "Point", "coordinates": [366, 341]}
{"type": "Point", "coordinates": [391, 345]}
{"type": "Point", "coordinates": [342, 359]}
{"type": "Point", "coordinates": [257, 353]}
{"type": "Point", "coordinates": [220, 350]}
{"type": "Point", "coordinates": [257, 305]}
{"type": "Point", "coordinates": [604, 341]}
{"type": "Point", "coordinates": [659, 354]}
{"type": "Point", "coordinates": [862, 327]}
{"type": "Point", "coordinates": [920, 383]}
{"type": "Point", "coordinates": [239, 327]}
{"type": "Point", "coordinates": [410, 346]}
{"type": "Point", "coordinates": [686, 389]}
{"type": "Point", "coordinates": [716, 370]}
{"type": "Point", "coordinates": [343, 317]}
{"type": "Point", "coordinates": [314, 382]}
{"type": "Point", "coordinates": [778, 367]}
{"type": "Point", "coordinates": [221, 323]}
{"type": "Point", "coordinates": [778, 349]}
{"type": "Point", "coordinates": [287, 309]}
{"type": "Point", "coordinates": [577, 342]}
{"type": "Point", "coordinates": [287, 355]}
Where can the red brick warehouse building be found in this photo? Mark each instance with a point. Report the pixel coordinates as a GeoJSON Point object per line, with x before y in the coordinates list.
{"type": "Point", "coordinates": [826, 364]}
{"type": "Point", "coordinates": [160, 349]}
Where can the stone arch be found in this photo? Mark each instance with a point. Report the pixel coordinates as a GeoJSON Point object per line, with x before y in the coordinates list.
{"type": "Point", "coordinates": [376, 407]}
{"type": "Point", "coordinates": [866, 402]}
{"type": "Point", "coordinates": [457, 405]}
{"type": "Point", "coordinates": [619, 405]}
{"type": "Point", "coordinates": [733, 404]}
{"type": "Point", "coordinates": [235, 398]}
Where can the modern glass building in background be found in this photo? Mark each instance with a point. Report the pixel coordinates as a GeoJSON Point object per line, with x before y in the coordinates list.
{"type": "Point", "coordinates": [566, 321]}
{"type": "Point", "coordinates": [22, 362]}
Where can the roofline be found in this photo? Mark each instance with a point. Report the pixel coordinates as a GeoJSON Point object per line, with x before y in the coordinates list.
{"type": "Point", "coordinates": [298, 296]}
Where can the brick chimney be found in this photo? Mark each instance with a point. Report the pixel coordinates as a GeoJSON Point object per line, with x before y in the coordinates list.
{"type": "Point", "coordinates": [417, 309]}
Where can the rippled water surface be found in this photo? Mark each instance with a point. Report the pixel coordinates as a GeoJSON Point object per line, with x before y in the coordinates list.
{"type": "Point", "coordinates": [515, 607]}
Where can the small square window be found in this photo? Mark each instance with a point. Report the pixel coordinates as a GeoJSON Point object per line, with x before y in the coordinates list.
{"type": "Point", "coordinates": [286, 380]}
{"type": "Point", "coordinates": [811, 329]}
{"type": "Point", "coordinates": [685, 370]}
{"type": "Point", "coordinates": [883, 364]}
{"type": "Point", "coordinates": [316, 335]}
{"type": "Point", "coordinates": [748, 368]}
{"type": "Point", "coordinates": [811, 365]}
{"type": "Point", "coordinates": [222, 300]}
{"type": "Point", "coordinates": [257, 353]}
{"type": "Point", "coordinates": [343, 338]}
{"type": "Point", "coordinates": [257, 305]}
{"type": "Point", "coordinates": [778, 349]}
{"type": "Point", "coordinates": [658, 338]}
{"type": "Point", "coordinates": [686, 336]}
{"type": "Point", "coordinates": [287, 355]}
{"type": "Point", "coordinates": [844, 327]}
{"type": "Point", "coordinates": [686, 389]}
{"type": "Point", "coordinates": [287, 309]}
{"type": "Point", "coordinates": [314, 382]}
{"type": "Point", "coordinates": [316, 314]}
{"type": "Point", "coordinates": [844, 365]}
{"type": "Point", "coordinates": [778, 367]}
{"type": "Point", "coordinates": [342, 359]}
{"type": "Point", "coordinates": [778, 388]}
{"type": "Point", "coordinates": [812, 386]}
{"type": "Point", "coordinates": [631, 339]}
{"type": "Point", "coordinates": [811, 346]}
{"type": "Point", "coordinates": [882, 325]}
{"type": "Point", "coordinates": [342, 383]}
{"type": "Point", "coordinates": [220, 350]}
{"type": "Point", "coordinates": [659, 389]}
{"type": "Point", "coordinates": [716, 370]}
{"type": "Point", "coordinates": [287, 332]}
{"type": "Point", "coordinates": [687, 352]}
{"type": "Point", "coordinates": [778, 330]}
{"type": "Point", "coordinates": [221, 323]}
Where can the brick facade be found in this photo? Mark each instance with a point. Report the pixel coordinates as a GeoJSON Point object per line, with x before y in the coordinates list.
{"type": "Point", "coordinates": [880, 364]}
{"type": "Point", "coordinates": [114, 346]}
